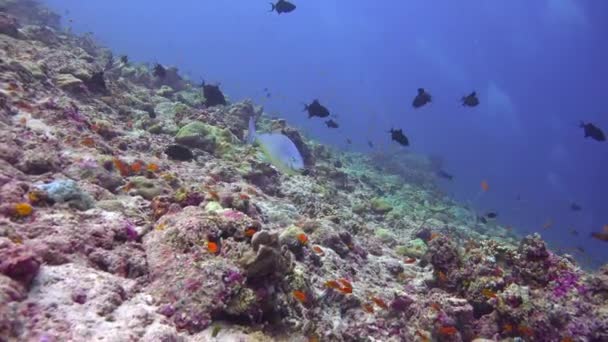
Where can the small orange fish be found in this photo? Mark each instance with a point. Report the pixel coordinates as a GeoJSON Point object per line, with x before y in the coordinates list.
{"type": "Point", "coordinates": [214, 196]}
{"type": "Point", "coordinates": [381, 303]}
{"type": "Point", "coordinates": [24, 106]}
{"type": "Point", "coordinates": [442, 277]}
{"type": "Point", "coordinates": [244, 197]}
{"type": "Point", "coordinates": [152, 167]}
{"type": "Point", "coordinates": [121, 167]}
{"type": "Point", "coordinates": [347, 287]}
{"type": "Point", "coordinates": [137, 167]}
{"type": "Point", "coordinates": [524, 330]}
{"type": "Point", "coordinates": [484, 185]}
{"type": "Point", "coordinates": [422, 336]}
{"type": "Point", "coordinates": [212, 247]}
{"type": "Point", "coordinates": [88, 142]}
{"type": "Point", "coordinates": [303, 238]}
{"type": "Point", "coordinates": [299, 295]}
{"type": "Point", "coordinates": [448, 330]}
{"type": "Point", "coordinates": [318, 250]}
{"type": "Point", "coordinates": [332, 284]}
{"type": "Point", "coordinates": [488, 293]}
{"type": "Point", "coordinates": [436, 306]}
{"type": "Point", "coordinates": [507, 328]}
{"type": "Point", "coordinates": [250, 232]}
{"type": "Point", "coordinates": [367, 307]}
{"type": "Point", "coordinates": [410, 260]}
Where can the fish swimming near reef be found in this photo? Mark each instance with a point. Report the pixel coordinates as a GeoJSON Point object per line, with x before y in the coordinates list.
{"type": "Point", "coordinates": [470, 100]}
{"type": "Point", "coordinates": [282, 6]}
{"type": "Point", "coordinates": [593, 131]}
{"type": "Point", "coordinates": [331, 124]}
{"type": "Point", "coordinates": [445, 175]}
{"type": "Point", "coordinates": [159, 71]}
{"type": "Point", "coordinates": [316, 109]}
{"type": "Point", "coordinates": [575, 207]}
{"type": "Point", "coordinates": [602, 236]}
{"type": "Point", "coordinates": [213, 95]}
{"type": "Point", "coordinates": [278, 148]}
{"type": "Point", "coordinates": [370, 144]}
{"type": "Point", "coordinates": [421, 98]}
{"type": "Point", "coordinates": [491, 215]}
{"type": "Point", "coordinates": [398, 136]}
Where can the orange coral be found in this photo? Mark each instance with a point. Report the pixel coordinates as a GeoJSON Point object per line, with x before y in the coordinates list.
{"type": "Point", "coordinates": [121, 167]}
{"type": "Point", "coordinates": [23, 209]}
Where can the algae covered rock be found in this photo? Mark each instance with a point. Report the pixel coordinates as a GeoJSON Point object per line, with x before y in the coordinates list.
{"type": "Point", "coordinates": [68, 191]}
{"type": "Point", "coordinates": [385, 235]}
{"type": "Point", "coordinates": [68, 82]}
{"type": "Point", "coordinates": [380, 206]}
{"type": "Point", "coordinates": [146, 188]}
{"type": "Point", "coordinates": [415, 249]}
{"type": "Point", "coordinates": [291, 237]}
{"type": "Point", "coordinates": [207, 137]}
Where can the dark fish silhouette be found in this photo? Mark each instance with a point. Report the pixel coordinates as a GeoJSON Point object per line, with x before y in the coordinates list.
{"type": "Point", "coordinates": [443, 174]}
{"type": "Point", "coordinates": [213, 95]}
{"type": "Point", "coordinates": [331, 123]}
{"type": "Point", "coordinates": [159, 71]}
{"type": "Point", "coordinates": [124, 59]}
{"type": "Point", "coordinates": [421, 99]}
{"type": "Point", "coordinates": [603, 236]}
{"type": "Point", "coordinates": [574, 232]}
{"type": "Point", "coordinates": [593, 131]}
{"type": "Point", "coordinates": [398, 136]}
{"type": "Point", "coordinates": [370, 144]}
{"type": "Point", "coordinates": [491, 215]}
{"type": "Point", "coordinates": [348, 141]}
{"type": "Point", "coordinates": [282, 6]}
{"type": "Point", "coordinates": [316, 109]}
{"type": "Point", "coordinates": [482, 219]}
{"type": "Point", "coordinates": [470, 100]}
{"type": "Point", "coordinates": [178, 152]}
{"type": "Point", "coordinates": [575, 207]}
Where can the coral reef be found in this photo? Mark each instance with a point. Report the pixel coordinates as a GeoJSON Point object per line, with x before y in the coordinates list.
{"type": "Point", "coordinates": [130, 210]}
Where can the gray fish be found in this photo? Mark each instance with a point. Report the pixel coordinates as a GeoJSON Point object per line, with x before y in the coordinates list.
{"type": "Point", "coordinates": [470, 100]}
{"type": "Point", "coordinates": [282, 6]}
{"type": "Point", "coordinates": [316, 109]}
{"type": "Point", "coordinates": [398, 136]}
{"type": "Point", "coordinates": [331, 124]}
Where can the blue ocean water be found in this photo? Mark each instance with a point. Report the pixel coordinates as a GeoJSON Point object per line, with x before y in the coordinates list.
{"type": "Point", "coordinates": [539, 68]}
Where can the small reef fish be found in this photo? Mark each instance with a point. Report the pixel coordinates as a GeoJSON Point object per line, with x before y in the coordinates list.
{"type": "Point", "coordinates": [249, 232]}
{"type": "Point", "coordinates": [137, 166]}
{"type": "Point", "coordinates": [421, 98]}
{"type": "Point", "coordinates": [278, 148]}
{"type": "Point", "coordinates": [423, 337]}
{"type": "Point", "coordinates": [370, 144]}
{"type": "Point", "coordinates": [303, 238]}
{"type": "Point", "coordinates": [152, 167]}
{"type": "Point", "coordinates": [282, 6]}
{"type": "Point", "coordinates": [410, 260]}
{"type": "Point", "coordinates": [212, 247]}
{"type": "Point", "coordinates": [300, 296]}
{"type": "Point", "coordinates": [484, 185]}
{"type": "Point", "coordinates": [367, 307]}
{"type": "Point", "coordinates": [348, 141]}
{"type": "Point", "coordinates": [593, 131]}
{"type": "Point", "coordinates": [121, 167]}
{"type": "Point", "coordinates": [470, 100]}
{"type": "Point", "coordinates": [603, 235]}
{"type": "Point", "coordinates": [445, 175]}
{"type": "Point", "coordinates": [398, 136]}
{"type": "Point", "coordinates": [316, 109]}
{"type": "Point", "coordinates": [318, 250]}
{"type": "Point", "coordinates": [436, 306]}
{"type": "Point", "coordinates": [447, 330]}
{"type": "Point", "coordinates": [179, 152]}
{"type": "Point", "coordinates": [332, 284]}
{"type": "Point", "coordinates": [380, 302]}
{"type": "Point", "coordinates": [488, 293]}
{"type": "Point", "coordinates": [492, 215]}
{"type": "Point", "coordinates": [124, 59]}
{"type": "Point", "coordinates": [331, 124]}
{"type": "Point", "coordinates": [442, 277]}
{"type": "Point", "coordinates": [482, 219]}
{"type": "Point", "coordinates": [347, 287]}
{"type": "Point", "coordinates": [575, 207]}
{"type": "Point", "coordinates": [525, 330]}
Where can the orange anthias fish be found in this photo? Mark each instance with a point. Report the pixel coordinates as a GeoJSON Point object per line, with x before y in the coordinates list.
{"type": "Point", "coordinates": [212, 247]}
{"type": "Point", "coordinates": [436, 306]}
{"type": "Point", "coordinates": [367, 307]}
{"type": "Point", "coordinates": [303, 238]}
{"type": "Point", "coordinates": [332, 284]}
{"type": "Point", "coordinates": [381, 303]}
{"type": "Point", "coordinates": [250, 232]}
{"type": "Point", "coordinates": [410, 260]}
{"type": "Point", "coordinates": [347, 287]}
{"type": "Point", "coordinates": [484, 185]}
{"type": "Point", "coordinates": [448, 330]}
{"type": "Point", "coordinates": [318, 250]}
{"type": "Point", "coordinates": [422, 336]}
{"type": "Point", "coordinates": [299, 295]}
{"type": "Point", "coordinates": [88, 142]}
{"type": "Point", "coordinates": [152, 167]}
{"type": "Point", "coordinates": [137, 167]}
{"type": "Point", "coordinates": [488, 293]}
{"type": "Point", "coordinates": [244, 197]}
{"type": "Point", "coordinates": [121, 167]}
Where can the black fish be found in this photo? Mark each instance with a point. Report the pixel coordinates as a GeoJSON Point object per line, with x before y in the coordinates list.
{"type": "Point", "coordinates": [124, 59]}
{"type": "Point", "coordinates": [421, 99]}
{"type": "Point", "coordinates": [482, 219]}
{"type": "Point", "coordinates": [370, 144]}
{"type": "Point", "coordinates": [575, 207]}
{"type": "Point", "coordinates": [316, 109]}
{"type": "Point", "coordinates": [443, 174]}
{"type": "Point", "coordinates": [491, 215]}
{"type": "Point", "coordinates": [178, 152]}
{"type": "Point", "coordinates": [398, 136]}
{"type": "Point", "coordinates": [159, 71]}
{"type": "Point", "coordinates": [593, 131]}
{"type": "Point", "coordinates": [348, 141]}
{"type": "Point", "coordinates": [97, 83]}
{"type": "Point", "coordinates": [331, 123]}
{"type": "Point", "coordinates": [282, 6]}
{"type": "Point", "coordinates": [213, 95]}
{"type": "Point", "coordinates": [470, 100]}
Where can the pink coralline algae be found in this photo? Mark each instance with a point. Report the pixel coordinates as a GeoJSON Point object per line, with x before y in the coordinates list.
{"type": "Point", "coordinates": [18, 262]}
{"type": "Point", "coordinates": [565, 282]}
